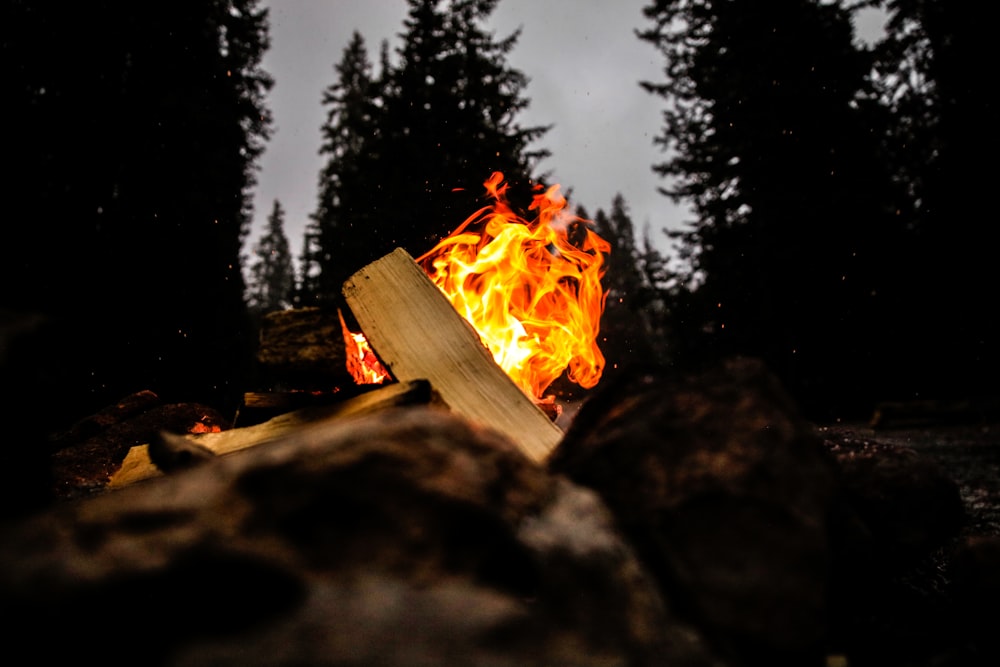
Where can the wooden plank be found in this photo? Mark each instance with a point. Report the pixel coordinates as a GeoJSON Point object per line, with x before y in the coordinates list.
{"type": "Point", "coordinates": [138, 466]}
{"type": "Point", "coordinates": [416, 333]}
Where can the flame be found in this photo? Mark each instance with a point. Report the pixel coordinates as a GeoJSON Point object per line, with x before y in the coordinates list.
{"type": "Point", "coordinates": [532, 290]}
{"type": "Point", "coordinates": [362, 363]}
{"type": "Point", "coordinates": [372, 370]}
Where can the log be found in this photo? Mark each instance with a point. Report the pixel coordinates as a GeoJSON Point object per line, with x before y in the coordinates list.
{"type": "Point", "coordinates": [285, 401]}
{"type": "Point", "coordinates": [416, 333]}
{"type": "Point", "coordinates": [303, 348]}
{"type": "Point", "coordinates": [260, 406]}
{"type": "Point", "coordinates": [138, 465]}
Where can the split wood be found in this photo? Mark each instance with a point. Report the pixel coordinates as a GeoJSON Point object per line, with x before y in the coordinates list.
{"type": "Point", "coordinates": [417, 334]}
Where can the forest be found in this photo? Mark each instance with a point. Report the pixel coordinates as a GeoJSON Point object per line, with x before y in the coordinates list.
{"type": "Point", "coordinates": [840, 191]}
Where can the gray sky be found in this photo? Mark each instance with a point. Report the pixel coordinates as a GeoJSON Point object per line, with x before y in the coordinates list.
{"type": "Point", "coordinates": [581, 56]}
{"type": "Point", "coordinates": [584, 64]}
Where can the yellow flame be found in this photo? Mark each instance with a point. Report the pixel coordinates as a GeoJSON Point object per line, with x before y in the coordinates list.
{"type": "Point", "coordinates": [362, 363]}
{"type": "Point", "coordinates": [532, 290]}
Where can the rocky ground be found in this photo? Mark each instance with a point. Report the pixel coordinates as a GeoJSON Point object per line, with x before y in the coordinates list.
{"type": "Point", "coordinates": [968, 452]}
{"type": "Point", "coordinates": [939, 609]}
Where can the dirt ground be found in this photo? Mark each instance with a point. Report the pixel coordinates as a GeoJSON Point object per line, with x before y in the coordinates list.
{"type": "Point", "coordinates": [968, 452]}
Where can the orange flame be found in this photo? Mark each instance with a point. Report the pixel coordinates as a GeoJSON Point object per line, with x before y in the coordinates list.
{"type": "Point", "coordinates": [362, 363]}
{"type": "Point", "coordinates": [532, 290]}
{"type": "Point", "coordinates": [371, 369]}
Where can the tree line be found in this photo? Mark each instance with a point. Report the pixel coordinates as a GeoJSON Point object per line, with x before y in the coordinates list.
{"type": "Point", "coordinates": [839, 191]}
{"type": "Point", "coordinates": [131, 138]}
{"type": "Point", "coordinates": [839, 206]}
{"type": "Point", "coordinates": [841, 211]}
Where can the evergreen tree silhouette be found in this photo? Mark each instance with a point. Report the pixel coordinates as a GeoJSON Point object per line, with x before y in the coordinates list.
{"type": "Point", "coordinates": [435, 125]}
{"type": "Point", "coordinates": [930, 73]}
{"type": "Point", "coordinates": [134, 154]}
{"type": "Point", "coordinates": [626, 337]}
{"type": "Point", "coordinates": [334, 233]}
{"type": "Point", "coordinates": [272, 276]}
{"type": "Point", "coordinates": [795, 235]}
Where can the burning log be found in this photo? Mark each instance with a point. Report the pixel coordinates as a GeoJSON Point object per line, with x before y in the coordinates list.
{"type": "Point", "coordinates": [491, 316]}
{"type": "Point", "coordinates": [419, 338]}
{"type": "Point", "coordinates": [418, 334]}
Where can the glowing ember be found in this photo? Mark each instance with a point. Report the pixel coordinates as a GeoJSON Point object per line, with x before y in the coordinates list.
{"type": "Point", "coordinates": [531, 289]}
{"type": "Point", "coordinates": [202, 427]}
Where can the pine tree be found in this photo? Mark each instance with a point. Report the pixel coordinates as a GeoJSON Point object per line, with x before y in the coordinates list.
{"type": "Point", "coordinates": [791, 251]}
{"type": "Point", "coordinates": [930, 74]}
{"type": "Point", "coordinates": [307, 288]}
{"type": "Point", "coordinates": [408, 159]}
{"type": "Point", "coordinates": [626, 328]}
{"type": "Point", "coordinates": [336, 225]}
{"type": "Point", "coordinates": [272, 274]}
{"type": "Point", "coordinates": [452, 111]}
{"type": "Point", "coordinates": [136, 148]}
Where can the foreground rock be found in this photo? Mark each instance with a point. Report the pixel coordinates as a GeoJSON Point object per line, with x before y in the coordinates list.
{"type": "Point", "coordinates": [409, 538]}
{"type": "Point", "coordinates": [726, 494]}
{"type": "Point", "coordinates": [783, 543]}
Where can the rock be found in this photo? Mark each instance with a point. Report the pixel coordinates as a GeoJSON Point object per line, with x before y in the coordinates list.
{"type": "Point", "coordinates": [725, 492]}
{"type": "Point", "coordinates": [409, 537]}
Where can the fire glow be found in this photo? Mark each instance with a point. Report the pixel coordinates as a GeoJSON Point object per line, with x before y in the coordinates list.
{"type": "Point", "coordinates": [362, 363]}
{"type": "Point", "coordinates": [532, 290]}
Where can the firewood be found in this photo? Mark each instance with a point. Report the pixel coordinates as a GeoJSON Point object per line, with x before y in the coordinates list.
{"type": "Point", "coordinates": [138, 465]}
{"type": "Point", "coordinates": [285, 401]}
{"type": "Point", "coordinates": [171, 451]}
{"type": "Point", "coordinates": [259, 406]}
{"type": "Point", "coordinates": [416, 333]}
{"type": "Point", "coordinates": [303, 348]}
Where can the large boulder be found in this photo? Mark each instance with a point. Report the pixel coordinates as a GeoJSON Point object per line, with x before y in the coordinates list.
{"type": "Point", "coordinates": [726, 492]}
